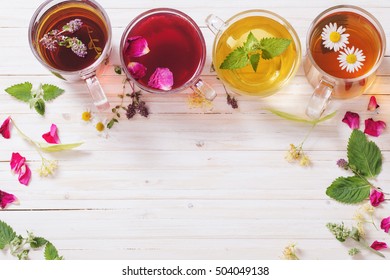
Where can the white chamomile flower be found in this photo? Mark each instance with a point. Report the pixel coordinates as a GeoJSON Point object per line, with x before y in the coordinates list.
{"type": "Point", "coordinates": [333, 37]}
{"type": "Point", "coordinates": [87, 115]}
{"type": "Point", "coordinates": [101, 128]}
{"type": "Point", "coordinates": [351, 59]}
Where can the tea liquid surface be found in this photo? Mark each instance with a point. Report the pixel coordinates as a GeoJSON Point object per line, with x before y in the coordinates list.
{"type": "Point", "coordinates": [174, 43]}
{"type": "Point", "coordinates": [271, 74]}
{"type": "Point", "coordinates": [93, 28]}
{"type": "Point", "coordinates": [362, 35]}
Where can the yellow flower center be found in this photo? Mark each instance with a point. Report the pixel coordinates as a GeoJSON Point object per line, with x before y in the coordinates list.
{"type": "Point", "coordinates": [86, 116]}
{"type": "Point", "coordinates": [335, 37]}
{"type": "Point", "coordinates": [100, 126]}
{"type": "Point", "coordinates": [351, 58]}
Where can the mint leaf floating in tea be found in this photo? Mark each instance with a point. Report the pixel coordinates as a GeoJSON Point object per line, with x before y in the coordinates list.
{"type": "Point", "coordinates": [35, 97]}
{"type": "Point", "coordinates": [57, 37]}
{"type": "Point", "coordinates": [254, 49]}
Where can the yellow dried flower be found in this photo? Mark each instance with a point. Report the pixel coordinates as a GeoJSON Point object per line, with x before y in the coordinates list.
{"type": "Point", "coordinates": [198, 100]}
{"type": "Point", "coordinates": [289, 252]}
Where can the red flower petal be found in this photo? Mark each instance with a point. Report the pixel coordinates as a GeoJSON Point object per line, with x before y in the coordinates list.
{"type": "Point", "coordinates": [136, 46]}
{"type": "Point", "coordinates": [4, 129]}
{"type": "Point", "coordinates": [376, 245]}
{"type": "Point", "coordinates": [374, 128]}
{"type": "Point", "coordinates": [372, 105]}
{"type": "Point", "coordinates": [385, 224]}
{"type": "Point", "coordinates": [376, 198]}
{"type": "Point", "coordinates": [6, 198]}
{"type": "Point", "coordinates": [162, 78]}
{"type": "Point", "coordinates": [51, 137]}
{"type": "Point", "coordinates": [137, 70]}
{"type": "Point", "coordinates": [17, 161]}
{"type": "Point", "coordinates": [24, 175]}
{"type": "Point", "coordinates": [352, 120]}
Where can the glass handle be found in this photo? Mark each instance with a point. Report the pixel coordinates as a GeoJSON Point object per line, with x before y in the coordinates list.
{"type": "Point", "coordinates": [205, 89]}
{"type": "Point", "coordinates": [214, 23]}
{"type": "Point", "coordinates": [97, 93]}
{"type": "Point", "coordinates": [320, 99]}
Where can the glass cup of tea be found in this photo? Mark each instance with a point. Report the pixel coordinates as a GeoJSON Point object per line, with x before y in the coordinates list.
{"type": "Point", "coordinates": [345, 46]}
{"type": "Point", "coordinates": [72, 38]}
{"type": "Point", "coordinates": [255, 52]}
{"type": "Point", "coordinates": [163, 51]}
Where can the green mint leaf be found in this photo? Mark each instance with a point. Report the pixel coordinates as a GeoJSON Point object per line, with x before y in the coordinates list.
{"type": "Point", "coordinates": [254, 59]}
{"type": "Point", "coordinates": [7, 234]}
{"type": "Point", "coordinates": [251, 43]}
{"type": "Point", "coordinates": [364, 156]}
{"type": "Point", "coordinates": [51, 252]}
{"type": "Point", "coordinates": [349, 190]}
{"type": "Point", "coordinates": [21, 92]}
{"type": "Point", "coordinates": [38, 242]}
{"type": "Point", "coordinates": [236, 59]}
{"type": "Point", "coordinates": [272, 47]}
{"type": "Point", "coordinates": [51, 92]}
{"type": "Point", "coordinates": [39, 106]}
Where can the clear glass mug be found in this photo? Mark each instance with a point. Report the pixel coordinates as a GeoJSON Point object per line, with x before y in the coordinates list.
{"type": "Point", "coordinates": [72, 38]}
{"type": "Point", "coordinates": [163, 51]}
{"type": "Point", "coordinates": [271, 74]}
{"type": "Point", "coordinates": [345, 46]}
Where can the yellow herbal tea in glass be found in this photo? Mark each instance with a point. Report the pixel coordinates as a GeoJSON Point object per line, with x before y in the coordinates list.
{"type": "Point", "coordinates": [266, 75]}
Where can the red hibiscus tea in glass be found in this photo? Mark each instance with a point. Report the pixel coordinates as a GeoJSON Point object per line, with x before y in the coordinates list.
{"type": "Point", "coordinates": [164, 50]}
{"type": "Point", "coordinates": [72, 39]}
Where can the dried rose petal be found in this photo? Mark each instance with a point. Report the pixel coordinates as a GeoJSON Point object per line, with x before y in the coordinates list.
{"type": "Point", "coordinates": [24, 175]}
{"type": "Point", "coordinates": [4, 129]}
{"type": "Point", "coordinates": [352, 120]}
{"type": "Point", "coordinates": [136, 46]}
{"type": "Point", "coordinates": [376, 198]}
{"type": "Point", "coordinates": [374, 128]}
{"type": "Point", "coordinates": [51, 137]}
{"type": "Point", "coordinates": [385, 224]}
{"type": "Point", "coordinates": [6, 198]}
{"type": "Point", "coordinates": [17, 161]}
{"type": "Point", "coordinates": [372, 105]}
{"type": "Point", "coordinates": [137, 70]}
{"type": "Point", "coordinates": [18, 165]}
{"type": "Point", "coordinates": [376, 245]}
{"type": "Point", "coordinates": [162, 78]}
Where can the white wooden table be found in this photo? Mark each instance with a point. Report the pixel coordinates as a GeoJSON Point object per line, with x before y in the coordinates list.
{"type": "Point", "coordinates": [183, 183]}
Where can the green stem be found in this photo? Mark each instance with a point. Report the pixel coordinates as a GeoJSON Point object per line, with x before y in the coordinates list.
{"type": "Point", "coordinates": [365, 245]}
{"type": "Point", "coordinates": [24, 136]}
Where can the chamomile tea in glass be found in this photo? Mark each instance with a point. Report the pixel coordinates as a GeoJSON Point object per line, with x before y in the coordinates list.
{"type": "Point", "coordinates": [345, 46]}
{"type": "Point", "coordinates": [256, 52]}
{"type": "Point", "coordinates": [72, 38]}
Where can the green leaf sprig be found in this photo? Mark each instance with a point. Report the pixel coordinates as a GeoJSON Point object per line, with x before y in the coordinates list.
{"type": "Point", "coordinates": [252, 50]}
{"type": "Point", "coordinates": [36, 98]}
{"type": "Point", "coordinates": [20, 246]}
{"type": "Point", "coordinates": [365, 162]}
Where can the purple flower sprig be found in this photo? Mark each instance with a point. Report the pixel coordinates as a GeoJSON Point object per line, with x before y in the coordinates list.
{"type": "Point", "coordinates": [56, 38]}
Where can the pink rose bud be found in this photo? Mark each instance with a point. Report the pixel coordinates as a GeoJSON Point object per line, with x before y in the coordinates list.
{"type": "Point", "coordinates": [4, 128]}
{"type": "Point", "coordinates": [137, 70]}
{"type": "Point", "coordinates": [162, 79]}
{"type": "Point", "coordinates": [376, 245]}
{"type": "Point", "coordinates": [374, 128]}
{"type": "Point", "coordinates": [352, 120]}
{"type": "Point", "coordinates": [376, 198]}
{"type": "Point", "coordinates": [51, 137]}
{"type": "Point", "coordinates": [136, 46]}
{"type": "Point", "coordinates": [372, 105]}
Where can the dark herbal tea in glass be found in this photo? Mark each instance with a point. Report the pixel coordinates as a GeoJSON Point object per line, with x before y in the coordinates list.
{"type": "Point", "coordinates": [348, 33]}
{"type": "Point", "coordinates": [71, 36]}
{"type": "Point", "coordinates": [173, 43]}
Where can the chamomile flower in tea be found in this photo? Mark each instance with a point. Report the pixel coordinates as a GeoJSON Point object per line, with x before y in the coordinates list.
{"type": "Point", "coordinates": [351, 59]}
{"type": "Point", "coordinates": [334, 37]}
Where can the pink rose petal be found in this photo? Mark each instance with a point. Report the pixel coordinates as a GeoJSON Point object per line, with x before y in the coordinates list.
{"type": "Point", "coordinates": [24, 175]}
{"type": "Point", "coordinates": [6, 198]}
{"type": "Point", "coordinates": [17, 161]}
{"type": "Point", "coordinates": [18, 165]}
{"type": "Point", "coordinates": [385, 224]}
{"type": "Point", "coordinates": [136, 46]}
{"type": "Point", "coordinates": [162, 79]}
{"type": "Point", "coordinates": [376, 198]}
{"type": "Point", "coordinates": [352, 120]}
{"type": "Point", "coordinates": [372, 105]}
{"type": "Point", "coordinates": [374, 128]}
{"type": "Point", "coordinates": [137, 70]}
{"type": "Point", "coordinates": [51, 137]}
{"type": "Point", "coordinates": [4, 129]}
{"type": "Point", "coordinates": [376, 245]}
